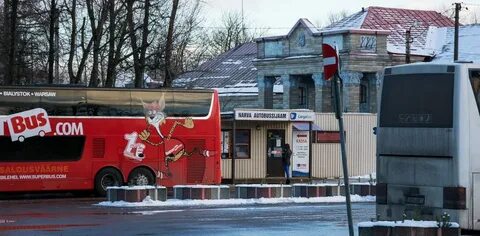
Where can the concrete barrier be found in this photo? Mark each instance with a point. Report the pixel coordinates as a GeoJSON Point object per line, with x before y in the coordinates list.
{"type": "Point", "coordinates": [362, 189]}
{"type": "Point", "coordinates": [315, 190]}
{"type": "Point", "coordinates": [263, 191]}
{"type": "Point", "coordinates": [136, 193]}
{"type": "Point", "coordinates": [407, 228]}
{"type": "Point", "coordinates": [201, 192]}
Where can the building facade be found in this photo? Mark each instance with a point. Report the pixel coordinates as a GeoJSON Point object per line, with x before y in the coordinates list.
{"type": "Point", "coordinates": [366, 41]}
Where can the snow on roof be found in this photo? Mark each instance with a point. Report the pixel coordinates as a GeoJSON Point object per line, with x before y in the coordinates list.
{"type": "Point", "coordinates": [305, 23]}
{"type": "Point", "coordinates": [310, 26]}
{"type": "Point", "coordinates": [223, 71]}
{"type": "Point", "coordinates": [397, 21]}
{"type": "Point", "coordinates": [442, 40]}
{"type": "Point", "coordinates": [353, 21]}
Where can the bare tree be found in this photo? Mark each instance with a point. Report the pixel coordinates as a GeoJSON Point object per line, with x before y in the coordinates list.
{"type": "Point", "coordinates": [138, 51]}
{"type": "Point", "coordinates": [188, 35]}
{"type": "Point", "coordinates": [43, 40]}
{"type": "Point", "coordinates": [335, 17]}
{"type": "Point", "coordinates": [10, 44]}
{"type": "Point", "coordinates": [76, 77]}
{"type": "Point", "coordinates": [169, 45]}
{"type": "Point", "coordinates": [96, 26]}
{"type": "Point", "coordinates": [51, 39]}
{"type": "Point", "coordinates": [231, 33]}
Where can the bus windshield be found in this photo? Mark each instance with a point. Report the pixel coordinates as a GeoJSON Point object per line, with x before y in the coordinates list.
{"type": "Point", "coordinates": [417, 100]}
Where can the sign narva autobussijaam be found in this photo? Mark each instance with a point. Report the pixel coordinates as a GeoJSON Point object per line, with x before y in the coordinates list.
{"type": "Point", "coordinates": [275, 115]}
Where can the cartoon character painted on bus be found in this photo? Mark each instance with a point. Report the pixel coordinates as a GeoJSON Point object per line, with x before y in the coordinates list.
{"type": "Point", "coordinates": [174, 148]}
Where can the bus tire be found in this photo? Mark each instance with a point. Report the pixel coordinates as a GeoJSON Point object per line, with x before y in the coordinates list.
{"type": "Point", "coordinates": [141, 176]}
{"type": "Point", "coordinates": [106, 178]}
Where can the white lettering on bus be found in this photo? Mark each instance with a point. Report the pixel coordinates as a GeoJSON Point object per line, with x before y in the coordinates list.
{"type": "Point", "coordinates": [68, 128]}
{"type": "Point", "coordinates": [28, 94]}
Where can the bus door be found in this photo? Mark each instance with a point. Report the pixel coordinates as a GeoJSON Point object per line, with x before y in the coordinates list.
{"type": "Point", "coordinates": [275, 142]}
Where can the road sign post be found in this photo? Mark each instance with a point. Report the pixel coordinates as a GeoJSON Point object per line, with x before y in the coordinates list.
{"type": "Point", "coordinates": [330, 69]}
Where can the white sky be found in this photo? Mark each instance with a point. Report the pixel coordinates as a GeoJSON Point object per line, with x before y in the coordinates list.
{"type": "Point", "coordinates": [280, 15]}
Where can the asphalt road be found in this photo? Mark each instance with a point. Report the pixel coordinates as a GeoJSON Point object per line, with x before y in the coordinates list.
{"type": "Point", "coordinates": [80, 216]}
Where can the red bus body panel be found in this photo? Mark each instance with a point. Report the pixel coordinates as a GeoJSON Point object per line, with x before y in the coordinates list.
{"type": "Point", "coordinates": [106, 145]}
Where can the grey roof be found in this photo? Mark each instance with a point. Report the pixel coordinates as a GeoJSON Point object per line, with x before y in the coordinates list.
{"type": "Point", "coordinates": [232, 69]}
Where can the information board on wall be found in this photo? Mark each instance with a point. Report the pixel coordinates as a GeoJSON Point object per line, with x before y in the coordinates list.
{"type": "Point", "coordinates": [300, 153]}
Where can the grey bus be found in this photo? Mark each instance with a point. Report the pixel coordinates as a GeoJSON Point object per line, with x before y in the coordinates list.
{"type": "Point", "coordinates": [428, 143]}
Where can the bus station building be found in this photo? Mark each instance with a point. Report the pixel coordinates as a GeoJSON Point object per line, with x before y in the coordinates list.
{"type": "Point", "coordinates": [285, 74]}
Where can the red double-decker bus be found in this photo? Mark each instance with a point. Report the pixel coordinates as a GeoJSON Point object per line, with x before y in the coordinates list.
{"type": "Point", "coordinates": [79, 138]}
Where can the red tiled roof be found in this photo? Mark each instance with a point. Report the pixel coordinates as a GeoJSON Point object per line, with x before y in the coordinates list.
{"type": "Point", "coordinates": [397, 21]}
{"type": "Point", "coordinates": [387, 18]}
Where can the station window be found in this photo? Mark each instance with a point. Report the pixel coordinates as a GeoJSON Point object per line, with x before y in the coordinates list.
{"type": "Point", "coordinates": [242, 144]}
{"type": "Point", "coordinates": [303, 96]}
{"type": "Point", "coordinates": [363, 93]}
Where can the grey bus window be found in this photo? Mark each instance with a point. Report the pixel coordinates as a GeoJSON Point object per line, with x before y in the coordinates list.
{"type": "Point", "coordinates": [140, 101]}
{"type": "Point", "coordinates": [108, 103]}
{"type": "Point", "coordinates": [195, 104]}
{"type": "Point", "coordinates": [17, 100]}
{"type": "Point", "coordinates": [408, 100]}
{"type": "Point", "coordinates": [475, 82]}
{"type": "Point", "coordinates": [64, 103]}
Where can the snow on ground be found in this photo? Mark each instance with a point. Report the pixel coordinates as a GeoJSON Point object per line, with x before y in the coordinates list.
{"type": "Point", "coordinates": [175, 202]}
{"type": "Point", "coordinates": [406, 223]}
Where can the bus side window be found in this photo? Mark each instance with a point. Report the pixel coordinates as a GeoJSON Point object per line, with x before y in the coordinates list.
{"type": "Point", "coordinates": [475, 81]}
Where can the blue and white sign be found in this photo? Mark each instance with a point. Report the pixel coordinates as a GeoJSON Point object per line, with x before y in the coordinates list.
{"type": "Point", "coordinates": [302, 116]}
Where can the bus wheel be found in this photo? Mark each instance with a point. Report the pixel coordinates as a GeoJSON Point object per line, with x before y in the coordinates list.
{"type": "Point", "coordinates": [107, 178]}
{"type": "Point", "coordinates": [141, 176]}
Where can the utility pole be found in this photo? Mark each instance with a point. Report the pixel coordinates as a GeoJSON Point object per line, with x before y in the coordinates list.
{"type": "Point", "coordinates": [458, 7]}
{"type": "Point", "coordinates": [407, 46]}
